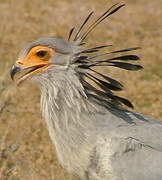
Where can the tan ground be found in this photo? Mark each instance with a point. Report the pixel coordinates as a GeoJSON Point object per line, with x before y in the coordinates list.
{"type": "Point", "coordinates": [26, 151]}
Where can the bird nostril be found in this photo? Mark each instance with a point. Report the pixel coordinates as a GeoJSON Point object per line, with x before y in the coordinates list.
{"type": "Point", "coordinates": [19, 62]}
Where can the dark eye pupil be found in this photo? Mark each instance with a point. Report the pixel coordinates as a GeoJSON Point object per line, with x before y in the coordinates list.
{"type": "Point", "coordinates": [41, 53]}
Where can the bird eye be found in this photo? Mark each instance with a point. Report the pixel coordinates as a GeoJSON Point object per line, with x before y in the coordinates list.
{"type": "Point", "coordinates": [41, 53]}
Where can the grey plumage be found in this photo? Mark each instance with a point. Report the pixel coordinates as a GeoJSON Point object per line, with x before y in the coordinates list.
{"type": "Point", "coordinates": [95, 137]}
{"type": "Point", "coordinates": [96, 142]}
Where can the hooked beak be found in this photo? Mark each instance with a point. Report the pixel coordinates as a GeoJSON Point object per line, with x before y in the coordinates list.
{"type": "Point", "coordinates": [14, 69]}
{"type": "Point", "coordinates": [27, 72]}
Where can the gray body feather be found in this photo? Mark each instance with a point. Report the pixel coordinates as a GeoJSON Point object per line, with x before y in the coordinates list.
{"type": "Point", "coordinates": [95, 142]}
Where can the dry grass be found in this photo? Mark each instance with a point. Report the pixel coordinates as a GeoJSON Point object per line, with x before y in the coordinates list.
{"type": "Point", "coordinates": [26, 151]}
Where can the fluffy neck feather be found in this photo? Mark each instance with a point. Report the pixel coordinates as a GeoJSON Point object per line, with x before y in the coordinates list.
{"type": "Point", "coordinates": [66, 110]}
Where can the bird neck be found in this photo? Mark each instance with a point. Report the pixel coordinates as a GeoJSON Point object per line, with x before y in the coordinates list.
{"type": "Point", "coordinates": [72, 118]}
{"type": "Point", "coordinates": [66, 110]}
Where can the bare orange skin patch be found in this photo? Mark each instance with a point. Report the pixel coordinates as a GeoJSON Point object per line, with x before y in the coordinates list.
{"type": "Point", "coordinates": [36, 60]}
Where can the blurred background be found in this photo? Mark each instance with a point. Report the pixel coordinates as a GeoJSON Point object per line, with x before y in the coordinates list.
{"type": "Point", "coordinates": [26, 151]}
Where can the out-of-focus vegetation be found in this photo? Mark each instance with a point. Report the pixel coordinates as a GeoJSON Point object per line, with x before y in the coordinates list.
{"type": "Point", "coordinates": [26, 151]}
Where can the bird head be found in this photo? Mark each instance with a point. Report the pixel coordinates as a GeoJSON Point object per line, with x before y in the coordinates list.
{"type": "Point", "coordinates": [35, 58]}
{"type": "Point", "coordinates": [47, 55]}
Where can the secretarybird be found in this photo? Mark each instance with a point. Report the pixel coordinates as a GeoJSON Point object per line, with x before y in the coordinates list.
{"type": "Point", "coordinates": [95, 136]}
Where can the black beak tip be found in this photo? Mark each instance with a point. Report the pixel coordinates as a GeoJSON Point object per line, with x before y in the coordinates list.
{"type": "Point", "coordinates": [14, 69]}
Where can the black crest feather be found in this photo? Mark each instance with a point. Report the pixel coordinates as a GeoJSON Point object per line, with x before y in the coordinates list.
{"type": "Point", "coordinates": [87, 59]}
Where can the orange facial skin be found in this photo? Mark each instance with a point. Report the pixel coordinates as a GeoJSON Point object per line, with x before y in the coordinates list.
{"type": "Point", "coordinates": [36, 60]}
